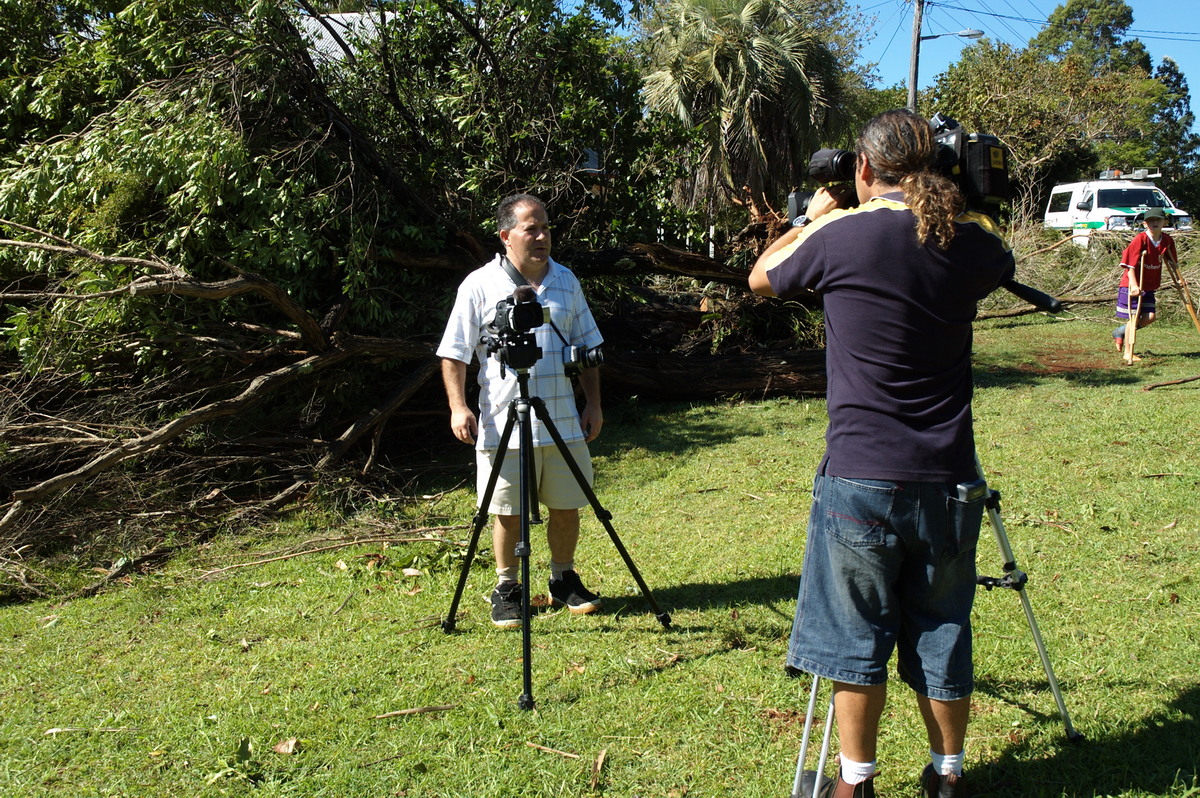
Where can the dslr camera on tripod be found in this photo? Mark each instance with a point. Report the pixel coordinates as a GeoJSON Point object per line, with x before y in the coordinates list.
{"type": "Point", "coordinates": [976, 162]}
{"type": "Point", "coordinates": [510, 339]}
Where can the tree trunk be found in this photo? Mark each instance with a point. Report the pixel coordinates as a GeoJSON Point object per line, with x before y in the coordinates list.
{"type": "Point", "coordinates": [797, 372]}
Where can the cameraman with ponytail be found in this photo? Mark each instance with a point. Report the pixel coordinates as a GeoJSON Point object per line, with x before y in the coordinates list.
{"type": "Point", "coordinates": [889, 561]}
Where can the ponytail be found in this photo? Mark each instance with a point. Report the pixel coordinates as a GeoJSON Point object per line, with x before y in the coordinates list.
{"type": "Point", "coordinates": [901, 149]}
{"type": "Point", "coordinates": [935, 201]}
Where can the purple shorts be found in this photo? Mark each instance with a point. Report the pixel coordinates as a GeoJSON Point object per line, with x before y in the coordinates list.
{"type": "Point", "coordinates": [1147, 305]}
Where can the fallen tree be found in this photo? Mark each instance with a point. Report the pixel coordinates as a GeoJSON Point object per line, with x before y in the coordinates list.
{"type": "Point", "coordinates": [60, 432]}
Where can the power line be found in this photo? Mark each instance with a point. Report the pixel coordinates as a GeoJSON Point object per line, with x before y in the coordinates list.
{"type": "Point", "coordinates": [1154, 35]}
{"type": "Point", "coordinates": [895, 28]}
{"type": "Point", "coordinates": [1039, 21]}
{"type": "Point", "coordinates": [1003, 24]}
{"type": "Point", "coordinates": [1015, 34]}
{"type": "Point", "coordinates": [954, 23]}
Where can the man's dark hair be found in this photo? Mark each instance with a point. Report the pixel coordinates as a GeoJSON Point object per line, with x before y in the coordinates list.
{"type": "Point", "coordinates": [506, 211]}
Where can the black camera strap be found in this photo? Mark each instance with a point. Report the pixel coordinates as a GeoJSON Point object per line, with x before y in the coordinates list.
{"type": "Point", "coordinates": [517, 278]}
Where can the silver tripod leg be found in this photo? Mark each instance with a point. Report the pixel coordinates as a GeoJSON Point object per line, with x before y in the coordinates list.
{"type": "Point", "coordinates": [825, 737]}
{"type": "Point", "coordinates": [1015, 579]}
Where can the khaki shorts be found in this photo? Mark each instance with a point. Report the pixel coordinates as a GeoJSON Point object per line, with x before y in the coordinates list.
{"type": "Point", "coordinates": [556, 485]}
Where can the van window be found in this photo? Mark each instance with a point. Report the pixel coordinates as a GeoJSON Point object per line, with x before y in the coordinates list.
{"type": "Point", "coordinates": [1059, 202]}
{"type": "Point", "coordinates": [1132, 197]}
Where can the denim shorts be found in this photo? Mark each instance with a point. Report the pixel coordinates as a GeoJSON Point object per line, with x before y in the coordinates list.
{"type": "Point", "coordinates": [888, 566]}
{"type": "Point", "coordinates": [557, 487]}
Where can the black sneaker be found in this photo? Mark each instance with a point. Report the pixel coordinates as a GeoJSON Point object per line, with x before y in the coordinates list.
{"type": "Point", "coordinates": [935, 785]}
{"type": "Point", "coordinates": [834, 788]}
{"type": "Point", "coordinates": [569, 591]}
{"type": "Point", "coordinates": [506, 605]}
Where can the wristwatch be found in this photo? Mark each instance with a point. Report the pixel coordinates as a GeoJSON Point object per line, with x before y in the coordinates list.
{"type": "Point", "coordinates": [800, 221]}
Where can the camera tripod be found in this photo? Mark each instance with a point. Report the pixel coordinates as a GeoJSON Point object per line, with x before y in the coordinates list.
{"type": "Point", "coordinates": [519, 416]}
{"type": "Point", "coordinates": [1014, 579]}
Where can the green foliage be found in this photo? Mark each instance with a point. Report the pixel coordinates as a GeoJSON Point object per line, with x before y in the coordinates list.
{"type": "Point", "coordinates": [1080, 98]}
{"type": "Point", "coordinates": [1093, 32]}
{"type": "Point", "coordinates": [207, 139]}
{"type": "Point", "coordinates": [1174, 146]}
{"type": "Point", "coordinates": [761, 82]}
{"type": "Point", "coordinates": [1136, 144]}
{"type": "Point", "coordinates": [872, 102]}
{"type": "Point", "coordinates": [537, 99]}
{"type": "Point", "coordinates": [1045, 112]}
{"type": "Point", "coordinates": [200, 144]}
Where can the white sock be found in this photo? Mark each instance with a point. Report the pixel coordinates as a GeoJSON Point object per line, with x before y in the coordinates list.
{"type": "Point", "coordinates": [557, 569]}
{"type": "Point", "coordinates": [856, 772]}
{"type": "Point", "coordinates": [948, 763]}
{"type": "Point", "coordinates": [509, 574]}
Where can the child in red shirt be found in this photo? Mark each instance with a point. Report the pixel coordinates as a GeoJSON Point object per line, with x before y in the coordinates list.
{"type": "Point", "coordinates": [1141, 272]}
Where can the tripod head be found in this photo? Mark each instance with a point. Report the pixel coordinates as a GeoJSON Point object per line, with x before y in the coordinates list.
{"type": "Point", "coordinates": [518, 351]}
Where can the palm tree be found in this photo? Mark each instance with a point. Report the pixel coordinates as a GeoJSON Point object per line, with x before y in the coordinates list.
{"type": "Point", "coordinates": [760, 82]}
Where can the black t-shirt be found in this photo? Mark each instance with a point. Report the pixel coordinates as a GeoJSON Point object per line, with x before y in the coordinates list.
{"type": "Point", "coordinates": [898, 336]}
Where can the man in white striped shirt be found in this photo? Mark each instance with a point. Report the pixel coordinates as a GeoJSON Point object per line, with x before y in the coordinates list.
{"type": "Point", "coordinates": [525, 232]}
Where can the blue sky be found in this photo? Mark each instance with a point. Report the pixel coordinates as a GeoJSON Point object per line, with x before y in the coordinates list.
{"type": "Point", "coordinates": [1165, 28]}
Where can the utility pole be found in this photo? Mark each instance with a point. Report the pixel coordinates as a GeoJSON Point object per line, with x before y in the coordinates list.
{"type": "Point", "coordinates": [918, 12]}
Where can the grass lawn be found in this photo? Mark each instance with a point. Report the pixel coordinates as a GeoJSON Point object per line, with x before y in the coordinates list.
{"type": "Point", "coordinates": [284, 678]}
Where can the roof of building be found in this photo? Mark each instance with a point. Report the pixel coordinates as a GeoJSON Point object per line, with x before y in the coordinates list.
{"type": "Point", "coordinates": [350, 28]}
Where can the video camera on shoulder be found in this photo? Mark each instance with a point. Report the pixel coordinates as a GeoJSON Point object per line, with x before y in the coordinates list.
{"type": "Point", "coordinates": [976, 162]}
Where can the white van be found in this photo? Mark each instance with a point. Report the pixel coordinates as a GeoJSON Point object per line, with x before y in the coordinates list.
{"type": "Point", "coordinates": [1111, 202]}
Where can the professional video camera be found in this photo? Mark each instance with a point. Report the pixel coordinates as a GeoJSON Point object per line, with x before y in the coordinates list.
{"type": "Point", "coordinates": [510, 339]}
{"type": "Point", "coordinates": [977, 162]}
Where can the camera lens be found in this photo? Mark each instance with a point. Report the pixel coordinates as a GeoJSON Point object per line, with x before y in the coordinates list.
{"type": "Point", "coordinates": [526, 316]}
{"type": "Point", "coordinates": [831, 166]}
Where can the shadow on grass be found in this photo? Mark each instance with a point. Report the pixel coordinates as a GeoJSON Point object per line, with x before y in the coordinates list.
{"type": "Point", "coordinates": [656, 427]}
{"type": "Point", "coordinates": [1156, 756]}
{"type": "Point", "coordinates": [651, 427]}
{"type": "Point", "coordinates": [777, 594]}
{"type": "Point", "coordinates": [768, 591]}
{"type": "Point", "coordinates": [1070, 362]}
{"type": "Point", "coordinates": [995, 375]}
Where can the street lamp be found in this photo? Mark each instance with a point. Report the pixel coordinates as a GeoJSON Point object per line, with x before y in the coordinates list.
{"type": "Point", "coordinates": [969, 33]}
{"type": "Point", "coordinates": [918, 9]}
